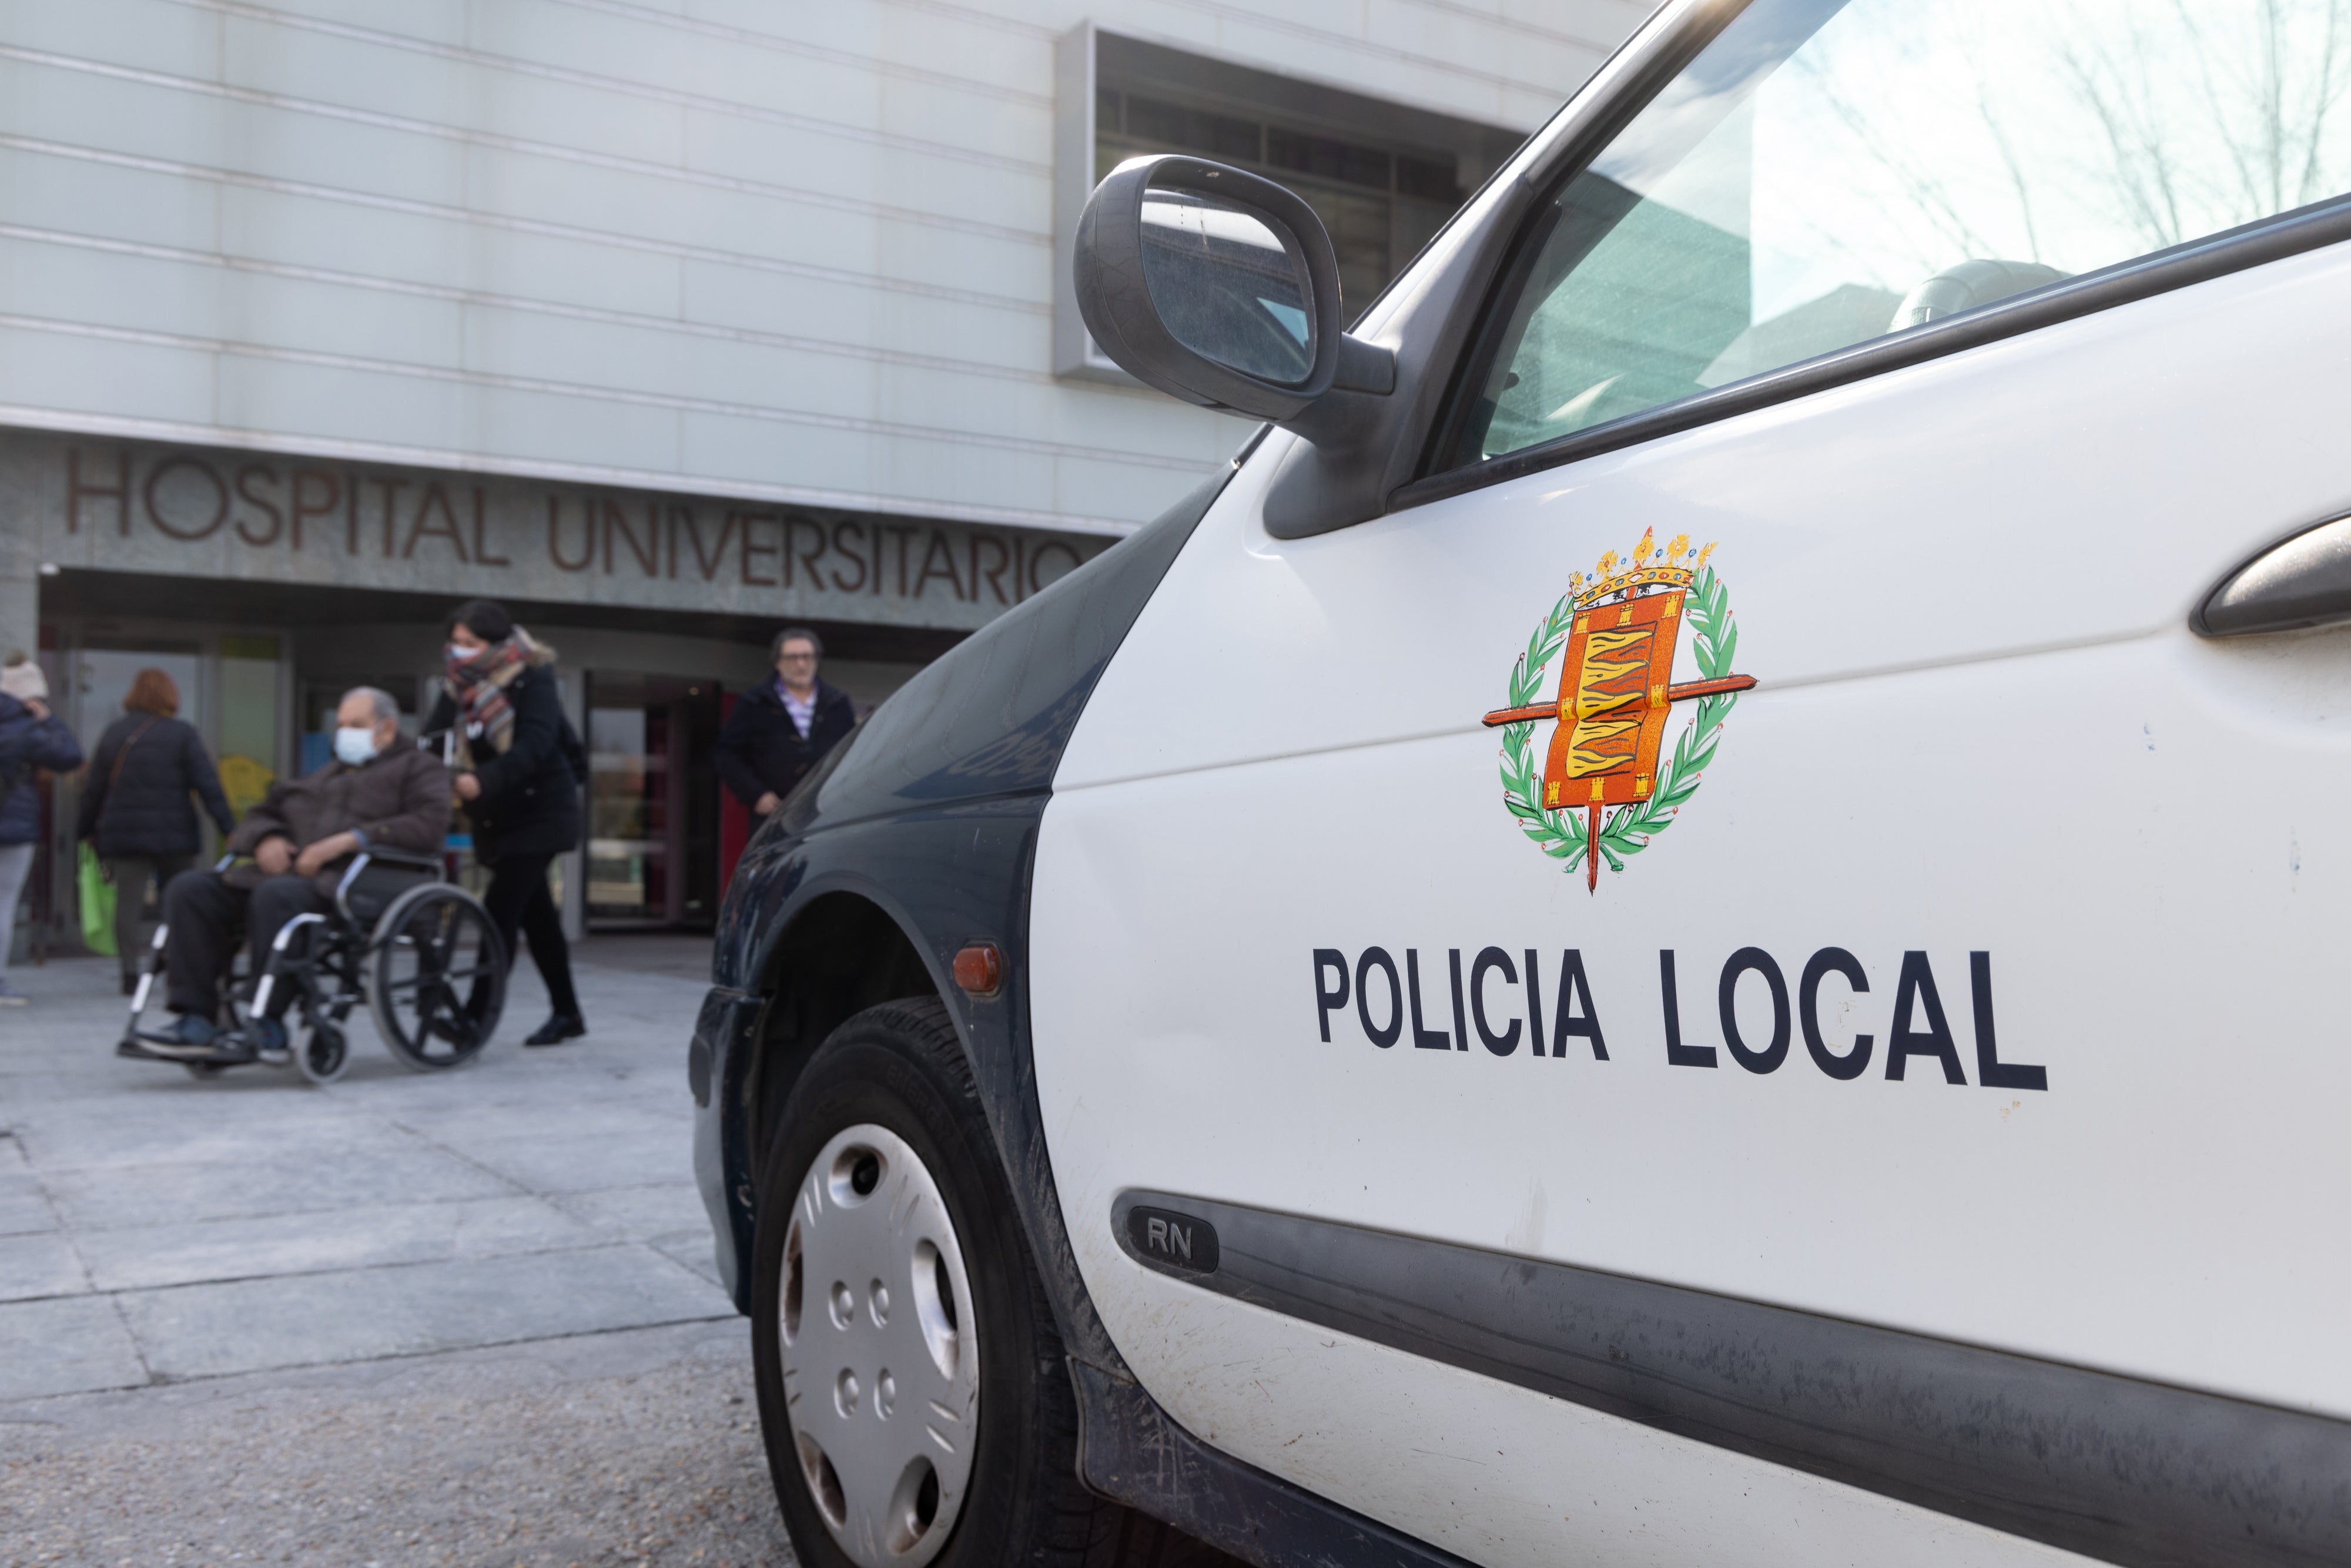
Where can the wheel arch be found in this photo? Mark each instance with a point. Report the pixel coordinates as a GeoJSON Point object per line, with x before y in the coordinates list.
{"type": "Point", "coordinates": [841, 950]}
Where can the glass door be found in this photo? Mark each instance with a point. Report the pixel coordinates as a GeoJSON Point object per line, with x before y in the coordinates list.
{"type": "Point", "coordinates": [628, 807]}
{"type": "Point", "coordinates": [248, 732]}
{"type": "Point", "coordinates": [653, 818]}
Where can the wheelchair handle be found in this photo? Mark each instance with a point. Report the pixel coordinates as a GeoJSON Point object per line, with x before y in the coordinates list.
{"type": "Point", "coordinates": [421, 859]}
{"type": "Point", "coordinates": [409, 859]}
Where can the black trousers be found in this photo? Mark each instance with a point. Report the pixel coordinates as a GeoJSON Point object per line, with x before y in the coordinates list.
{"type": "Point", "coordinates": [517, 899]}
{"type": "Point", "coordinates": [132, 875]}
{"type": "Point", "coordinates": [203, 911]}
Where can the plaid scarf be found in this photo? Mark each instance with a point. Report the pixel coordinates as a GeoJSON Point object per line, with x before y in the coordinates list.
{"type": "Point", "coordinates": [479, 684]}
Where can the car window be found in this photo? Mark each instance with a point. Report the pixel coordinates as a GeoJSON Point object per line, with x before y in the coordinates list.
{"type": "Point", "coordinates": [1827, 172]}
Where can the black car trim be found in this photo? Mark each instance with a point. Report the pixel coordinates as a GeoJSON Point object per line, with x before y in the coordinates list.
{"type": "Point", "coordinates": [1358, 450]}
{"type": "Point", "coordinates": [2292, 233]}
{"type": "Point", "coordinates": [1131, 1452]}
{"type": "Point", "coordinates": [1512, 228]}
{"type": "Point", "coordinates": [726, 1025]}
{"type": "Point", "coordinates": [1513, 236]}
{"type": "Point", "coordinates": [2131, 1471]}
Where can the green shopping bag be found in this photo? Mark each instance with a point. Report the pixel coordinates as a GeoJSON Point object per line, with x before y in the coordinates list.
{"type": "Point", "coordinates": [97, 903]}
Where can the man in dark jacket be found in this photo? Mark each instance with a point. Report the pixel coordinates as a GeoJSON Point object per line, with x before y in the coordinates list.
{"type": "Point", "coordinates": [377, 793]}
{"type": "Point", "coordinates": [31, 738]}
{"type": "Point", "coordinates": [781, 728]}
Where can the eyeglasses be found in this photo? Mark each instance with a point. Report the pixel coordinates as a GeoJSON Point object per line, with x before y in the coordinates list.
{"type": "Point", "coordinates": [797, 659]}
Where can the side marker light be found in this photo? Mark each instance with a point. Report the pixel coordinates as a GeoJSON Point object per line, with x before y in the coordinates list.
{"type": "Point", "coordinates": [980, 969]}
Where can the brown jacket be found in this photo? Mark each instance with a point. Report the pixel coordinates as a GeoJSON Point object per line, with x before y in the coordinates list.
{"type": "Point", "coordinates": [400, 800]}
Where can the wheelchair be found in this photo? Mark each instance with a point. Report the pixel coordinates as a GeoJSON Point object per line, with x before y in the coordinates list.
{"type": "Point", "coordinates": [419, 950]}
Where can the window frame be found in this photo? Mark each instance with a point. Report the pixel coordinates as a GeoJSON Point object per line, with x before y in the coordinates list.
{"type": "Point", "coordinates": [1440, 474]}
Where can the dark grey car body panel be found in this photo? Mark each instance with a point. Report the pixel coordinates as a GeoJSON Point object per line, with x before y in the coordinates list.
{"type": "Point", "coordinates": [929, 811]}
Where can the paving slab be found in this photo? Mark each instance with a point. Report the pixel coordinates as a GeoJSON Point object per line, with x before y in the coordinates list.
{"type": "Point", "coordinates": [209, 1330]}
{"type": "Point", "coordinates": [24, 1207]}
{"type": "Point", "coordinates": [325, 1240]}
{"type": "Point", "coordinates": [637, 1448]}
{"type": "Point", "coordinates": [262, 1183]}
{"type": "Point", "coordinates": [65, 1345]}
{"type": "Point", "coordinates": [581, 1161]}
{"type": "Point", "coordinates": [694, 1249]}
{"type": "Point", "coordinates": [636, 1213]}
{"type": "Point", "coordinates": [39, 1265]}
{"type": "Point", "coordinates": [475, 1121]}
{"type": "Point", "coordinates": [252, 1225]}
{"type": "Point", "coordinates": [90, 1137]}
{"type": "Point", "coordinates": [22, 1214]}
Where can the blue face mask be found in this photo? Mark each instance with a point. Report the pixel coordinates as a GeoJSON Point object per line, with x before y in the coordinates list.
{"type": "Point", "coordinates": [354, 747]}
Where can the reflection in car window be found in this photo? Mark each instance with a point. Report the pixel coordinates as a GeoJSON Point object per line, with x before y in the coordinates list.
{"type": "Point", "coordinates": [1826, 171]}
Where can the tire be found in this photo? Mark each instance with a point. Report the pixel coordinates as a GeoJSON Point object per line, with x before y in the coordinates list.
{"type": "Point", "coordinates": [322, 1054]}
{"type": "Point", "coordinates": [437, 977]}
{"type": "Point", "coordinates": [890, 1085]}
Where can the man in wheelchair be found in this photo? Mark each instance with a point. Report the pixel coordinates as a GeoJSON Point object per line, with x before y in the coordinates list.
{"type": "Point", "coordinates": [377, 794]}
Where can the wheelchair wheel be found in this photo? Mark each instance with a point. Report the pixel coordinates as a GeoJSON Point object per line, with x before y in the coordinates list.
{"type": "Point", "coordinates": [322, 1054]}
{"type": "Point", "coordinates": [436, 977]}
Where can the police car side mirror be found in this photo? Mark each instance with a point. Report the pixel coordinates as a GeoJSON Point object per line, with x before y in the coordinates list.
{"type": "Point", "coordinates": [1218, 288]}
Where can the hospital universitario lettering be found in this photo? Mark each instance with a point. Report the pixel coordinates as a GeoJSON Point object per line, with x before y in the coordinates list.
{"type": "Point", "coordinates": [200, 512]}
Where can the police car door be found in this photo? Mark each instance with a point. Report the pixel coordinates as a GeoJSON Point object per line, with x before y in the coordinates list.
{"type": "Point", "coordinates": [1742, 859]}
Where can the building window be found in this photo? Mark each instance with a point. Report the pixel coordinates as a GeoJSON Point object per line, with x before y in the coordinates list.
{"type": "Point", "coordinates": [1381, 204]}
{"type": "Point", "coordinates": [1383, 176]}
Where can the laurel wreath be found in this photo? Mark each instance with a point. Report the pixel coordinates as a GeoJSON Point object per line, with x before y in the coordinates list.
{"type": "Point", "coordinates": [1628, 829]}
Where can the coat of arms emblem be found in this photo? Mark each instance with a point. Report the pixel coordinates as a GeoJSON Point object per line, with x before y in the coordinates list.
{"type": "Point", "coordinates": [1603, 791]}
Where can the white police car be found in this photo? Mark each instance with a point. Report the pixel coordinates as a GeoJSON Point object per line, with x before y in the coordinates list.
{"type": "Point", "coordinates": [1696, 918]}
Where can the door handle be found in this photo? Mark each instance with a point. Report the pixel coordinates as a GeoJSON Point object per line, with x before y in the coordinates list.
{"type": "Point", "coordinates": [2304, 582]}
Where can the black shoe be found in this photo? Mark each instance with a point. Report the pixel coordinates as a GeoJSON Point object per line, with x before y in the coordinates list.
{"type": "Point", "coordinates": [266, 1039]}
{"type": "Point", "coordinates": [233, 1048]}
{"type": "Point", "coordinates": [191, 1028]}
{"type": "Point", "coordinates": [559, 1028]}
{"type": "Point", "coordinates": [461, 1029]}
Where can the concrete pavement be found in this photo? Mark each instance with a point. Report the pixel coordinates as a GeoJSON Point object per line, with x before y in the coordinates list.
{"type": "Point", "coordinates": [165, 1242]}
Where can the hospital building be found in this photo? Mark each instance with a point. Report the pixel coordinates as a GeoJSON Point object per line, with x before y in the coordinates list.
{"type": "Point", "coordinates": [664, 322]}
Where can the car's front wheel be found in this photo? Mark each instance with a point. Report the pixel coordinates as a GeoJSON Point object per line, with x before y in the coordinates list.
{"type": "Point", "coordinates": [913, 1389]}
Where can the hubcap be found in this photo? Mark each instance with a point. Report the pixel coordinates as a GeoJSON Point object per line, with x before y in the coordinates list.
{"type": "Point", "coordinates": [881, 1351]}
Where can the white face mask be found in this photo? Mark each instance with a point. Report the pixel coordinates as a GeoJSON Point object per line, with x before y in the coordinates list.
{"type": "Point", "coordinates": [354, 747]}
{"type": "Point", "coordinates": [460, 656]}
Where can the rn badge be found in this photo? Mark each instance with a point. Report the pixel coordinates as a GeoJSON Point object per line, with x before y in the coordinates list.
{"type": "Point", "coordinates": [1604, 792]}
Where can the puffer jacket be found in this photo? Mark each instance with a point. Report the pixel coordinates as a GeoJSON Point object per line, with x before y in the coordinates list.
{"type": "Point", "coordinates": [399, 798]}
{"type": "Point", "coordinates": [530, 803]}
{"type": "Point", "coordinates": [144, 809]}
{"type": "Point", "coordinates": [28, 744]}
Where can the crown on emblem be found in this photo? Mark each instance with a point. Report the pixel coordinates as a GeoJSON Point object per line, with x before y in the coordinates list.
{"type": "Point", "coordinates": [1618, 577]}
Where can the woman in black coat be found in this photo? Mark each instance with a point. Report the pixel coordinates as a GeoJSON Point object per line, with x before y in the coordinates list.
{"type": "Point", "coordinates": [520, 769]}
{"type": "Point", "coordinates": [136, 806]}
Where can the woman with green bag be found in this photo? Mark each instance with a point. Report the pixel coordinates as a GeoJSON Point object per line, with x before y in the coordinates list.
{"type": "Point", "coordinates": [95, 896]}
{"type": "Point", "coordinates": [136, 813]}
